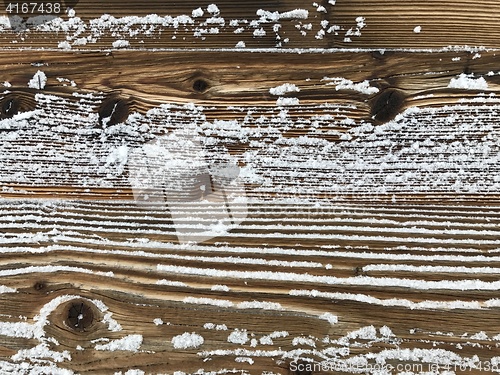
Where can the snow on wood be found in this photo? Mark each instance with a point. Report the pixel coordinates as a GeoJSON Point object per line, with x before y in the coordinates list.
{"type": "Point", "coordinates": [130, 343]}
{"type": "Point", "coordinates": [38, 81]}
{"type": "Point", "coordinates": [187, 340]}
{"type": "Point", "coordinates": [365, 241]}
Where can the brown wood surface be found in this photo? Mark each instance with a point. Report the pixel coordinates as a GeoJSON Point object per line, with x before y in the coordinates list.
{"type": "Point", "coordinates": [378, 206]}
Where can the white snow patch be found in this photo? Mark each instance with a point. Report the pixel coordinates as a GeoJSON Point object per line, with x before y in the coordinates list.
{"type": "Point", "coordinates": [171, 283]}
{"type": "Point", "coordinates": [240, 44]}
{"type": "Point", "coordinates": [268, 339]}
{"type": "Point", "coordinates": [131, 372]}
{"type": "Point", "coordinates": [238, 336]}
{"type": "Point", "coordinates": [213, 9]}
{"type": "Point", "coordinates": [244, 359]}
{"type": "Point", "coordinates": [158, 321]}
{"type": "Point", "coordinates": [480, 336]}
{"type": "Point", "coordinates": [329, 317]}
{"type": "Point", "coordinates": [130, 343]}
{"type": "Point", "coordinates": [38, 81]}
{"type": "Point", "coordinates": [283, 89]}
{"type": "Point", "coordinates": [264, 305]}
{"type": "Point", "coordinates": [208, 301]}
{"type": "Point", "coordinates": [303, 341]}
{"type": "Point", "coordinates": [386, 331]}
{"type": "Point", "coordinates": [17, 329]}
{"type": "Point", "coordinates": [121, 43]}
{"type": "Point", "coordinates": [281, 102]}
{"type": "Point", "coordinates": [295, 14]}
{"type": "Point", "coordinates": [187, 340]}
{"type": "Point", "coordinates": [346, 84]}
{"type": "Point", "coordinates": [465, 81]}
{"type": "Point", "coordinates": [6, 289]}
{"type": "Point", "coordinates": [118, 157]}
{"type": "Point", "coordinates": [220, 288]}
{"type": "Point", "coordinates": [113, 325]}
{"type": "Point", "coordinates": [218, 327]}
{"type": "Point", "coordinates": [417, 29]}
{"type": "Point", "coordinates": [197, 13]}
{"type": "Point", "coordinates": [258, 33]}
{"type": "Point", "coordinates": [39, 352]}
{"type": "Point", "coordinates": [64, 45]}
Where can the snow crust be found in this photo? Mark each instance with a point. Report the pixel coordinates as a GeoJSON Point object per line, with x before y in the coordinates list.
{"type": "Point", "coordinates": [187, 341]}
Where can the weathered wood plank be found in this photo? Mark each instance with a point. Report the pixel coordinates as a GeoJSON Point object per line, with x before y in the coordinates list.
{"type": "Point", "coordinates": [428, 311]}
{"type": "Point", "coordinates": [262, 24]}
{"type": "Point", "coordinates": [433, 147]}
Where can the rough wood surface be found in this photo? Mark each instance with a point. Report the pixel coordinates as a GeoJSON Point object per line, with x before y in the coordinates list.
{"type": "Point", "coordinates": [262, 24]}
{"type": "Point", "coordinates": [358, 232]}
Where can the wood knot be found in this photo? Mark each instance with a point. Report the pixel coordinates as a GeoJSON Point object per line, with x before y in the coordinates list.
{"type": "Point", "coordinates": [113, 111]}
{"type": "Point", "coordinates": [80, 315]}
{"type": "Point", "coordinates": [200, 85]}
{"type": "Point", "coordinates": [39, 286]}
{"type": "Point", "coordinates": [9, 106]}
{"type": "Point", "coordinates": [387, 104]}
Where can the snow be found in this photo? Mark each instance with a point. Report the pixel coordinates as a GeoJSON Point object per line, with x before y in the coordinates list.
{"type": "Point", "coordinates": [244, 360]}
{"type": "Point", "coordinates": [121, 43]}
{"type": "Point", "coordinates": [240, 44]}
{"type": "Point", "coordinates": [417, 29]}
{"type": "Point", "coordinates": [187, 341]}
{"type": "Point", "coordinates": [467, 82]}
{"type": "Point", "coordinates": [64, 45]}
{"type": "Point", "coordinates": [330, 318]}
{"type": "Point", "coordinates": [283, 89]}
{"type": "Point", "coordinates": [260, 305]}
{"type": "Point", "coordinates": [5, 289]}
{"type": "Point", "coordinates": [432, 269]}
{"type": "Point", "coordinates": [304, 341]}
{"type": "Point", "coordinates": [131, 372]}
{"type": "Point", "coordinates": [38, 81]}
{"type": "Point", "coordinates": [158, 321]}
{"type": "Point", "coordinates": [213, 9]}
{"type": "Point", "coordinates": [39, 352]}
{"type": "Point", "coordinates": [258, 33]}
{"type": "Point", "coordinates": [198, 12]}
{"type": "Point", "coordinates": [238, 337]}
{"type": "Point", "coordinates": [268, 339]}
{"type": "Point", "coordinates": [422, 305]}
{"type": "Point", "coordinates": [346, 84]}
{"type": "Point", "coordinates": [287, 101]}
{"type": "Point", "coordinates": [130, 343]}
{"type": "Point", "coordinates": [17, 329]}
{"type": "Point", "coordinates": [220, 288]}
{"type": "Point", "coordinates": [386, 331]}
{"type": "Point", "coordinates": [208, 301]}
{"type": "Point", "coordinates": [416, 284]}
{"type": "Point", "coordinates": [217, 327]}
{"type": "Point", "coordinates": [295, 14]}
{"type": "Point", "coordinates": [171, 283]}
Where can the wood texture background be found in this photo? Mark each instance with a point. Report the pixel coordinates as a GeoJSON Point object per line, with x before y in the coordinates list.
{"type": "Point", "coordinates": [403, 251]}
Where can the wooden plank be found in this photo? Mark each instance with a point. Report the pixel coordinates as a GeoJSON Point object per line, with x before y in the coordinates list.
{"type": "Point", "coordinates": [262, 24]}
{"type": "Point", "coordinates": [237, 115]}
{"type": "Point", "coordinates": [417, 287]}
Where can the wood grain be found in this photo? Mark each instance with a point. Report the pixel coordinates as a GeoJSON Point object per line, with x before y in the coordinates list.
{"type": "Point", "coordinates": [358, 229]}
{"type": "Point", "coordinates": [346, 24]}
